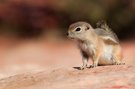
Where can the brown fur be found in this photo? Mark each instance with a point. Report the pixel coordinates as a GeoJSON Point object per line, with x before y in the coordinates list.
{"type": "Point", "coordinates": [102, 46]}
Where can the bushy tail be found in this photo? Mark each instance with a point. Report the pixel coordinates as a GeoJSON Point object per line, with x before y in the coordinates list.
{"type": "Point", "coordinates": [102, 24]}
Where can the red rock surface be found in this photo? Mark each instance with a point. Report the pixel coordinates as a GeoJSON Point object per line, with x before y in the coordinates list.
{"type": "Point", "coordinates": [107, 77]}
{"type": "Point", "coordinates": [39, 64]}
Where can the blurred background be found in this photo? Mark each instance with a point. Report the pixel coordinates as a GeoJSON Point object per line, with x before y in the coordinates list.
{"type": "Point", "coordinates": [32, 32]}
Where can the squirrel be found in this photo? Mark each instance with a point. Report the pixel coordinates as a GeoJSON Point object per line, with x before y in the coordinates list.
{"type": "Point", "coordinates": [100, 44]}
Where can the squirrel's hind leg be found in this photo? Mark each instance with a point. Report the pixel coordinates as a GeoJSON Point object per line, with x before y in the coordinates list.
{"type": "Point", "coordinates": [117, 57]}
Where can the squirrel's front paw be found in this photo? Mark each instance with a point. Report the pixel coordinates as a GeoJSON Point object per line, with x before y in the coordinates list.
{"type": "Point", "coordinates": [93, 66]}
{"type": "Point", "coordinates": [82, 67]}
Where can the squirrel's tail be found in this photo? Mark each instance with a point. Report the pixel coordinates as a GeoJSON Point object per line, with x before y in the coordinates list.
{"type": "Point", "coordinates": [102, 24]}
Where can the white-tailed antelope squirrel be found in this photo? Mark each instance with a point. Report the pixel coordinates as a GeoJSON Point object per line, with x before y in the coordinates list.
{"type": "Point", "coordinates": [100, 44]}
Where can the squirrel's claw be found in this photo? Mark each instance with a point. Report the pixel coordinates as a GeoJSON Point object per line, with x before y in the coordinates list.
{"type": "Point", "coordinates": [93, 66]}
{"type": "Point", "coordinates": [117, 63]}
{"type": "Point", "coordinates": [83, 67]}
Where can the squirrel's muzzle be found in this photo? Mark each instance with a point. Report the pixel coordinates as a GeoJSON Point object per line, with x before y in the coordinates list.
{"type": "Point", "coordinates": [67, 34]}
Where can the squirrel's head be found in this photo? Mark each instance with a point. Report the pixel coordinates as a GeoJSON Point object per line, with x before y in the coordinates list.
{"type": "Point", "coordinates": [78, 30]}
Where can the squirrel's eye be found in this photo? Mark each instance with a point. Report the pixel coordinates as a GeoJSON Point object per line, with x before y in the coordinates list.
{"type": "Point", "coordinates": [78, 29]}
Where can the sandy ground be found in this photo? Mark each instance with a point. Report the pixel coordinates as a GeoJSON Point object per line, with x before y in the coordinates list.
{"type": "Point", "coordinates": [43, 64]}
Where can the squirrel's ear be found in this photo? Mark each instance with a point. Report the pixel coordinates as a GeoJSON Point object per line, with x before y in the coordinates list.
{"type": "Point", "coordinates": [87, 28]}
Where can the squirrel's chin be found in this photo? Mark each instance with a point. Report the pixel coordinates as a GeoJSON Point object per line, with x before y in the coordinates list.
{"type": "Point", "coordinates": [71, 37]}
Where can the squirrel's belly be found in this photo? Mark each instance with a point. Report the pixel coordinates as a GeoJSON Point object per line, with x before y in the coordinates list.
{"type": "Point", "coordinates": [107, 56]}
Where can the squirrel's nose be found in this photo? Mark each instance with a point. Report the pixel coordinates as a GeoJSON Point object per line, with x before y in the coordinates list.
{"type": "Point", "coordinates": [67, 33]}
